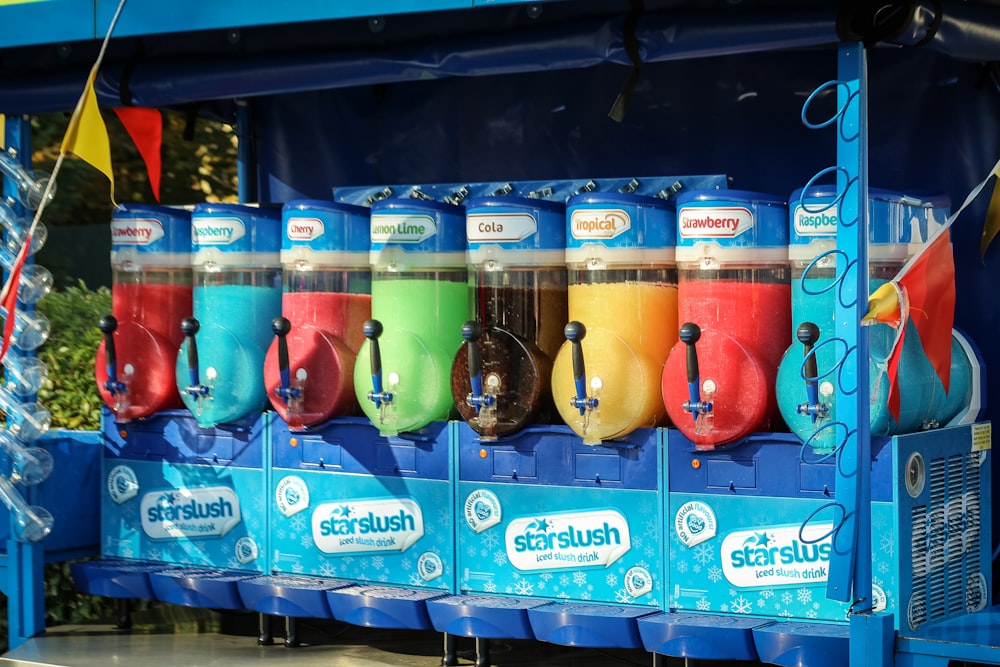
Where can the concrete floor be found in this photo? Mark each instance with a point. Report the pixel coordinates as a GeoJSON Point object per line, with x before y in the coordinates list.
{"type": "Point", "coordinates": [323, 643]}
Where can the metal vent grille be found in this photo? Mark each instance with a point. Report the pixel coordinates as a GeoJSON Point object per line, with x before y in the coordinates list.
{"type": "Point", "coordinates": [945, 543]}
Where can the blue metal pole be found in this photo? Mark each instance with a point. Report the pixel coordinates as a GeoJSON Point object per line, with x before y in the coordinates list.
{"type": "Point", "coordinates": [24, 575]}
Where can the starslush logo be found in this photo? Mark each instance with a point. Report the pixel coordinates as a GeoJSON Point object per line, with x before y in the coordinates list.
{"type": "Point", "coordinates": [812, 222]}
{"type": "Point", "coordinates": [184, 513]}
{"type": "Point", "coordinates": [380, 524]}
{"type": "Point", "coordinates": [139, 231]}
{"type": "Point", "coordinates": [721, 222]}
{"type": "Point", "coordinates": [217, 231]}
{"type": "Point", "coordinates": [572, 540]}
{"type": "Point", "coordinates": [778, 556]}
{"type": "Point", "coordinates": [304, 229]}
{"type": "Point", "coordinates": [402, 228]}
{"type": "Point", "coordinates": [590, 223]}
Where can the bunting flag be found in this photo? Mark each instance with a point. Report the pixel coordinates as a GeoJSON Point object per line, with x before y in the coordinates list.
{"type": "Point", "coordinates": [87, 135]}
{"type": "Point", "coordinates": [145, 126]}
{"type": "Point", "coordinates": [922, 293]}
{"type": "Point", "coordinates": [9, 297]}
{"type": "Point", "coordinates": [991, 226]}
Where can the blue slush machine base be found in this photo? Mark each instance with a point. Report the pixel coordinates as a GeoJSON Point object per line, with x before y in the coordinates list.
{"type": "Point", "coordinates": [113, 578]}
{"type": "Point", "coordinates": [197, 587]}
{"type": "Point", "coordinates": [483, 616]}
{"type": "Point", "coordinates": [587, 625]}
{"type": "Point", "coordinates": [801, 644]}
{"type": "Point", "coordinates": [284, 595]}
{"type": "Point", "coordinates": [382, 606]}
{"type": "Point", "coordinates": [700, 636]}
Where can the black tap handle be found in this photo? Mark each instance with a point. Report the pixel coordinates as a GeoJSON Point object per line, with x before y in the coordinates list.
{"type": "Point", "coordinates": [107, 325]}
{"type": "Point", "coordinates": [372, 330]}
{"type": "Point", "coordinates": [689, 334]}
{"type": "Point", "coordinates": [575, 333]}
{"type": "Point", "coordinates": [472, 331]}
{"type": "Point", "coordinates": [189, 327]}
{"type": "Point", "coordinates": [281, 326]}
{"type": "Point", "coordinates": [808, 334]}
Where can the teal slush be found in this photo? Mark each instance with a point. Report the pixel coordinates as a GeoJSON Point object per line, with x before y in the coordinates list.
{"type": "Point", "coordinates": [422, 316]}
{"type": "Point", "coordinates": [235, 332]}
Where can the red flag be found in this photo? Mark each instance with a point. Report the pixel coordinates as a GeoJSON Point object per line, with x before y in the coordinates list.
{"type": "Point", "coordinates": [145, 126]}
{"type": "Point", "coordinates": [9, 298]}
{"type": "Point", "coordinates": [927, 289]}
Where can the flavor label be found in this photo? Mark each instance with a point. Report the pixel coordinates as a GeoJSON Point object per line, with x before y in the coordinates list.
{"type": "Point", "coordinates": [499, 227]}
{"type": "Point", "coordinates": [715, 222]}
{"type": "Point", "coordinates": [123, 485]}
{"type": "Point", "coordinates": [595, 223]}
{"type": "Point", "coordinates": [217, 231]}
{"type": "Point", "coordinates": [304, 229]}
{"type": "Point", "coordinates": [482, 510]}
{"type": "Point", "coordinates": [694, 523]}
{"type": "Point", "coordinates": [185, 513]}
{"type": "Point", "coordinates": [821, 222]}
{"type": "Point", "coordinates": [379, 524]}
{"type": "Point", "coordinates": [136, 231]}
{"type": "Point", "coordinates": [402, 228]}
{"type": "Point", "coordinates": [292, 495]}
{"type": "Point", "coordinates": [594, 538]}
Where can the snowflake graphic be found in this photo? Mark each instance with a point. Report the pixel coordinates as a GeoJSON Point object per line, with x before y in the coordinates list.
{"type": "Point", "coordinates": [724, 608]}
{"type": "Point", "coordinates": [471, 551]}
{"type": "Point", "coordinates": [811, 614]}
{"type": "Point", "coordinates": [579, 578]}
{"type": "Point", "coordinates": [541, 585]}
{"type": "Point", "coordinates": [378, 562]}
{"type": "Point", "coordinates": [621, 597]}
{"type": "Point", "coordinates": [804, 595]}
{"type": "Point", "coordinates": [564, 580]}
{"type": "Point", "coordinates": [767, 593]}
{"type": "Point", "coordinates": [696, 569]}
{"type": "Point", "coordinates": [298, 523]}
{"type": "Point", "coordinates": [416, 579]}
{"type": "Point", "coordinates": [326, 569]}
{"type": "Point", "coordinates": [649, 551]}
{"type": "Point", "coordinates": [483, 553]}
{"type": "Point", "coordinates": [500, 558]}
{"type": "Point", "coordinates": [491, 540]}
{"type": "Point", "coordinates": [282, 534]}
{"type": "Point", "coordinates": [651, 527]}
{"type": "Point", "coordinates": [154, 555]}
{"type": "Point", "coordinates": [703, 554]}
{"type": "Point", "coordinates": [741, 605]}
{"type": "Point", "coordinates": [297, 568]}
{"type": "Point", "coordinates": [786, 613]}
{"type": "Point", "coordinates": [714, 574]}
{"type": "Point", "coordinates": [545, 576]}
{"type": "Point", "coordinates": [490, 587]}
{"type": "Point", "coordinates": [886, 543]}
{"type": "Point", "coordinates": [786, 598]}
{"type": "Point", "coordinates": [523, 587]}
{"type": "Point", "coordinates": [232, 563]}
{"type": "Point", "coordinates": [879, 520]}
{"type": "Point", "coordinates": [611, 580]}
{"type": "Point", "coordinates": [761, 602]}
{"type": "Point", "coordinates": [703, 604]}
{"type": "Point", "coordinates": [883, 567]}
{"type": "Point", "coordinates": [585, 596]}
{"type": "Point", "coordinates": [306, 540]}
{"type": "Point", "coordinates": [682, 566]}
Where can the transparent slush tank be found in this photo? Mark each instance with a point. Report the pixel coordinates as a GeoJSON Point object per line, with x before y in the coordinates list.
{"type": "Point", "coordinates": [420, 299]}
{"type": "Point", "coordinates": [501, 376]}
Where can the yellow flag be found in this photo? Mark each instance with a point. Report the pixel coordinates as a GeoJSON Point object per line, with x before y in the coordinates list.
{"type": "Point", "coordinates": [991, 225]}
{"type": "Point", "coordinates": [87, 136]}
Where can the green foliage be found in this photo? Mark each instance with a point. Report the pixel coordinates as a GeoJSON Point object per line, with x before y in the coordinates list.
{"type": "Point", "coordinates": [70, 392]}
